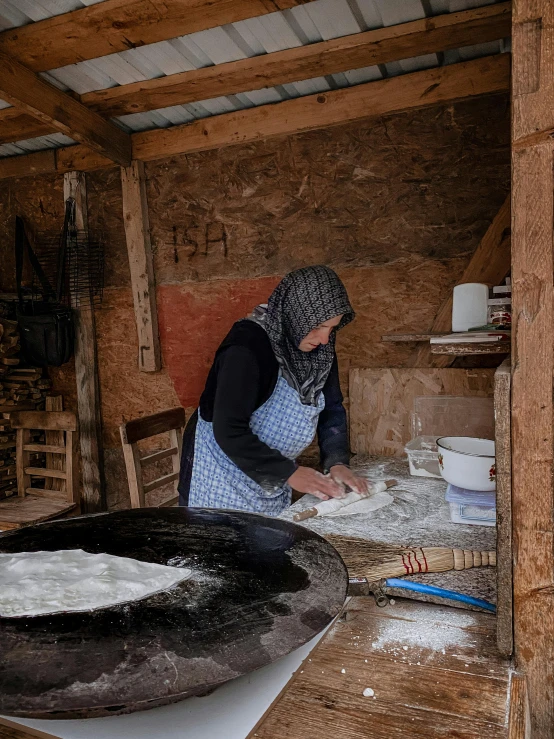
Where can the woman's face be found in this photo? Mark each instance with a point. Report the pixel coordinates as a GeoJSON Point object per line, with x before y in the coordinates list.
{"type": "Point", "coordinates": [319, 335]}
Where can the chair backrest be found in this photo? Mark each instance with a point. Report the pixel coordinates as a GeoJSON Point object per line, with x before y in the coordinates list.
{"type": "Point", "coordinates": [63, 471]}
{"type": "Point", "coordinates": [172, 422]}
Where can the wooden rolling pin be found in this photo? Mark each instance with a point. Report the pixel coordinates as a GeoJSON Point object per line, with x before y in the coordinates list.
{"type": "Point", "coordinates": [335, 504]}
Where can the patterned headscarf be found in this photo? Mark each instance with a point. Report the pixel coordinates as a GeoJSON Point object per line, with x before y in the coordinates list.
{"type": "Point", "coordinates": [302, 301]}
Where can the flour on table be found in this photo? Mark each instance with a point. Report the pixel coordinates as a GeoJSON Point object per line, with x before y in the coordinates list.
{"type": "Point", "coordinates": [41, 583]}
{"type": "Point", "coordinates": [365, 505]}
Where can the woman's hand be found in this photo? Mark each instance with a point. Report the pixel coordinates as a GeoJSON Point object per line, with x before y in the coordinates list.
{"type": "Point", "coordinates": [306, 480]}
{"type": "Point", "coordinates": [344, 475]}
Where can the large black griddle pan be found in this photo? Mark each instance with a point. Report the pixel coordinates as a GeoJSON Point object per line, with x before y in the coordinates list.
{"type": "Point", "coordinates": [260, 588]}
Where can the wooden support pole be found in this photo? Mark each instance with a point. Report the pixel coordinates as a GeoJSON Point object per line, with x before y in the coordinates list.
{"type": "Point", "coordinates": [533, 358]}
{"type": "Point", "coordinates": [139, 250]}
{"type": "Point", "coordinates": [86, 371]}
{"type": "Point", "coordinates": [504, 579]}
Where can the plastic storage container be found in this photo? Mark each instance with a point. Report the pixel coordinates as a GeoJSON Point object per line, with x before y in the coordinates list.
{"type": "Point", "coordinates": [423, 456]}
{"type": "Point", "coordinates": [469, 306]}
{"type": "Point", "coordinates": [452, 415]}
{"type": "Point", "coordinates": [472, 515]}
{"type": "Point", "coordinates": [469, 507]}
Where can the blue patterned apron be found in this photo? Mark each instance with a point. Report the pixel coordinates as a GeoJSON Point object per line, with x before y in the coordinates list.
{"type": "Point", "coordinates": [283, 423]}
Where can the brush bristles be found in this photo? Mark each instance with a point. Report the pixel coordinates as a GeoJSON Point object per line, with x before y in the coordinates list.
{"type": "Point", "coordinates": [375, 561]}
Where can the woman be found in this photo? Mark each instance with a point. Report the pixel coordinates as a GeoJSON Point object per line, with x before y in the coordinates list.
{"type": "Point", "coordinates": [273, 383]}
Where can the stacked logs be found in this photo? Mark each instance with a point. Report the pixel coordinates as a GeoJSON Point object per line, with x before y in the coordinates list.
{"type": "Point", "coordinates": [21, 389]}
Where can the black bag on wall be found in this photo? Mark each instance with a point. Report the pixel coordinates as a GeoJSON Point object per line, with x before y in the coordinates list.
{"type": "Point", "coordinates": [46, 327]}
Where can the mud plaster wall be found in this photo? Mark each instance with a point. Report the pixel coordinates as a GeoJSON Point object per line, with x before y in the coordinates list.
{"type": "Point", "coordinates": [396, 205]}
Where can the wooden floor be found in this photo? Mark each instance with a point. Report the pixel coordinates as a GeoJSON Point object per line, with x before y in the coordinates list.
{"type": "Point", "coordinates": [434, 671]}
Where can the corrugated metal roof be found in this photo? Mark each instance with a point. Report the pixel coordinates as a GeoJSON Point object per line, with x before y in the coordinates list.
{"type": "Point", "coordinates": [305, 24]}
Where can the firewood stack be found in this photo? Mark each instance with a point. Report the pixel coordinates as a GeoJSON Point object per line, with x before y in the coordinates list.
{"type": "Point", "coordinates": [21, 389]}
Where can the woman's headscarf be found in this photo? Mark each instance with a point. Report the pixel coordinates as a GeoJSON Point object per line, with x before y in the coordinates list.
{"type": "Point", "coordinates": [302, 301]}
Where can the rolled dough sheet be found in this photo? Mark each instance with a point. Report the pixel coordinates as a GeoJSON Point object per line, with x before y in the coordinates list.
{"type": "Point", "coordinates": [365, 505]}
{"type": "Point", "coordinates": [40, 583]}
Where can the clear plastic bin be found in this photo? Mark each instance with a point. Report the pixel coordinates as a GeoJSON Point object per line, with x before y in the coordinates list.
{"type": "Point", "coordinates": [423, 456]}
{"type": "Point", "coordinates": [445, 415]}
{"type": "Point", "coordinates": [451, 415]}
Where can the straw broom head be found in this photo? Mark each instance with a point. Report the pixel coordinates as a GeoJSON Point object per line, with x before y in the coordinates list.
{"type": "Point", "coordinates": [374, 561]}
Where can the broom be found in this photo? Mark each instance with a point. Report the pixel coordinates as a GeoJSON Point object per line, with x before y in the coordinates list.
{"type": "Point", "coordinates": [375, 561]}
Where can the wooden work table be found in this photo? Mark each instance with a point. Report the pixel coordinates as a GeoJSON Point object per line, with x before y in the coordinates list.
{"type": "Point", "coordinates": [418, 516]}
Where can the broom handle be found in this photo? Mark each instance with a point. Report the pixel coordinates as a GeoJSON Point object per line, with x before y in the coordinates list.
{"type": "Point", "coordinates": [464, 559]}
{"type": "Point", "coordinates": [353, 497]}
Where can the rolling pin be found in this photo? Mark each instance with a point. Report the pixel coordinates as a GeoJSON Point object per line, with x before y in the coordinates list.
{"type": "Point", "coordinates": [334, 504]}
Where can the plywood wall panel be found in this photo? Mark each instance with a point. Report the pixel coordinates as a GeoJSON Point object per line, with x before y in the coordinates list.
{"type": "Point", "coordinates": [381, 401]}
{"type": "Point", "coordinates": [424, 183]}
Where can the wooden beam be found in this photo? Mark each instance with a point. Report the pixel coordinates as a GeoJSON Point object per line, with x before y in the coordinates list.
{"type": "Point", "coordinates": [532, 118]}
{"type": "Point", "coordinates": [490, 264]}
{"type": "Point", "coordinates": [86, 372]}
{"type": "Point", "coordinates": [118, 25]}
{"type": "Point", "coordinates": [533, 359]}
{"type": "Point", "coordinates": [18, 126]}
{"type": "Point", "coordinates": [382, 45]}
{"type": "Point", "coordinates": [24, 89]}
{"type": "Point", "coordinates": [485, 76]}
{"type": "Point", "coordinates": [417, 90]}
{"type": "Point", "coordinates": [139, 251]}
{"type": "Point", "coordinates": [39, 162]}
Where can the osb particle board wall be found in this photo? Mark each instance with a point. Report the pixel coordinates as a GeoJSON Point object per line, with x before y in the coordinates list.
{"type": "Point", "coordinates": [396, 206]}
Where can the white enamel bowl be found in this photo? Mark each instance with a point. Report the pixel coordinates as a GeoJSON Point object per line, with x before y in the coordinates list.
{"type": "Point", "coordinates": [468, 463]}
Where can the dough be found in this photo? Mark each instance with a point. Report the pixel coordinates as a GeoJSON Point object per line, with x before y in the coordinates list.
{"type": "Point", "coordinates": [364, 505]}
{"type": "Point", "coordinates": [40, 583]}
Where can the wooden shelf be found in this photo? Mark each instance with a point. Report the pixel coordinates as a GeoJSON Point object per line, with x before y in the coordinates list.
{"type": "Point", "coordinates": [500, 347]}
{"type": "Point", "coordinates": [408, 337]}
{"type": "Point", "coordinates": [462, 350]}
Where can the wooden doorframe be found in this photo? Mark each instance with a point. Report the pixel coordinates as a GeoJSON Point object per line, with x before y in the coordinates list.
{"type": "Point", "coordinates": [533, 353]}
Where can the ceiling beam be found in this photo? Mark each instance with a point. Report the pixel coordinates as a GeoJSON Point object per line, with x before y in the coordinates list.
{"type": "Point", "coordinates": [380, 46]}
{"type": "Point", "coordinates": [18, 126]}
{"type": "Point", "coordinates": [394, 94]}
{"type": "Point", "coordinates": [29, 93]}
{"type": "Point", "coordinates": [36, 163]}
{"type": "Point", "coordinates": [485, 76]}
{"type": "Point", "coordinates": [118, 25]}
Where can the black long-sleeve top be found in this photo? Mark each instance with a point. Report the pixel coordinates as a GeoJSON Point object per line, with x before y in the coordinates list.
{"type": "Point", "coordinates": [243, 376]}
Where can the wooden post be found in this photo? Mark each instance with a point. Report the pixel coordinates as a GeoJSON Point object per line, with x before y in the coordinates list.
{"type": "Point", "coordinates": [504, 581]}
{"type": "Point", "coordinates": [139, 249]}
{"type": "Point", "coordinates": [533, 354]}
{"type": "Point", "coordinates": [86, 371]}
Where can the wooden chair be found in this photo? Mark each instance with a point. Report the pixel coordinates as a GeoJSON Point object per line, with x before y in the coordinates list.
{"type": "Point", "coordinates": [172, 422]}
{"type": "Point", "coordinates": [33, 505]}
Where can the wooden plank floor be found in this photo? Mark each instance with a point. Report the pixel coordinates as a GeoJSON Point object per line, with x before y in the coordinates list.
{"type": "Point", "coordinates": [435, 672]}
